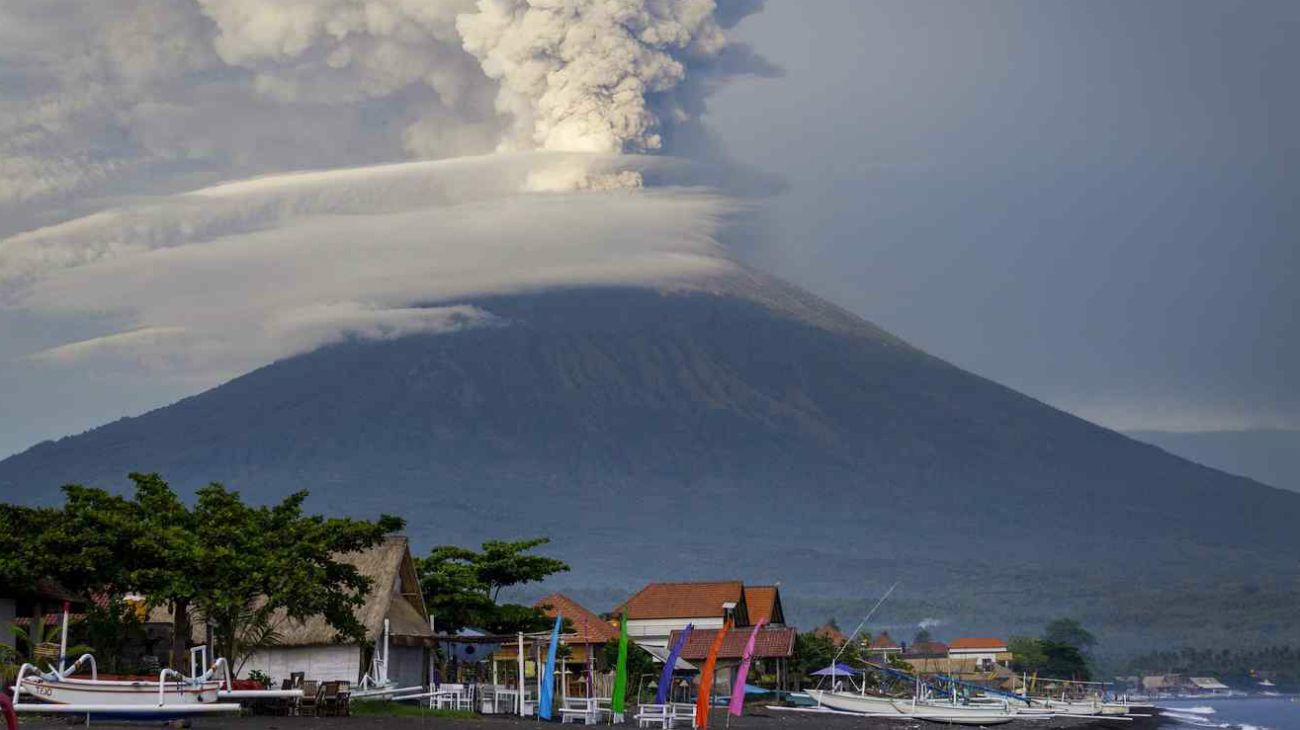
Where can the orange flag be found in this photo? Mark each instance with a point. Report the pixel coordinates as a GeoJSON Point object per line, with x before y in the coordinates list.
{"type": "Point", "coordinates": [706, 679]}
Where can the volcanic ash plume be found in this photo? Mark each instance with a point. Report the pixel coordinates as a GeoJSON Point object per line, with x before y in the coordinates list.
{"type": "Point", "coordinates": [589, 75]}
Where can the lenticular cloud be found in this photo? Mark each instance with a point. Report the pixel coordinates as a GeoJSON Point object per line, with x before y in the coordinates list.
{"type": "Point", "coordinates": [460, 148]}
{"type": "Point", "coordinates": [236, 275]}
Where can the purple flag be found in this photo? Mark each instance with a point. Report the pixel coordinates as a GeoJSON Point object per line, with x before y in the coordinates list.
{"type": "Point", "coordinates": [737, 704]}
{"type": "Point", "coordinates": [666, 679]}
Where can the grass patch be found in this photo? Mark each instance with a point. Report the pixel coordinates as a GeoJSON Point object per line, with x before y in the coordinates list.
{"type": "Point", "coordinates": [383, 708]}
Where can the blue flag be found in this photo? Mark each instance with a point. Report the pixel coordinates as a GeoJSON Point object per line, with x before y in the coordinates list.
{"type": "Point", "coordinates": [547, 697]}
{"type": "Point", "coordinates": [666, 679]}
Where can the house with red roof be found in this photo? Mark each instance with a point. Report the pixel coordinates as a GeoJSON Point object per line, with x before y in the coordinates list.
{"type": "Point", "coordinates": [659, 609]}
{"type": "Point", "coordinates": [978, 653]}
{"type": "Point", "coordinates": [831, 633]}
{"type": "Point", "coordinates": [773, 650]}
{"type": "Point", "coordinates": [585, 635]}
{"type": "Point", "coordinates": [883, 646]}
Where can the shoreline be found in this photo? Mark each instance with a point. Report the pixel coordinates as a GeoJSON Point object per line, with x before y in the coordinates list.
{"type": "Point", "coordinates": [757, 719]}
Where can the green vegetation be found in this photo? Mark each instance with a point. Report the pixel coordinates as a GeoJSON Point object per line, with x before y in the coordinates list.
{"type": "Point", "coordinates": [641, 670]}
{"type": "Point", "coordinates": [381, 708]}
{"type": "Point", "coordinates": [232, 564]}
{"type": "Point", "coordinates": [813, 652]}
{"type": "Point", "coordinates": [1240, 668]}
{"type": "Point", "coordinates": [461, 586]}
{"type": "Point", "coordinates": [1062, 653]}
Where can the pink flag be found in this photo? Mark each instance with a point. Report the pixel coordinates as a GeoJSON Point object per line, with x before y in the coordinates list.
{"type": "Point", "coordinates": [736, 707]}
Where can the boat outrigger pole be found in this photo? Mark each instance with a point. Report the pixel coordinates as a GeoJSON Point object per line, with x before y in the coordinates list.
{"type": "Point", "coordinates": [863, 622]}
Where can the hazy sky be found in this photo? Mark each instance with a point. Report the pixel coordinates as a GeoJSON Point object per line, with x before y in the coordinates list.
{"type": "Point", "coordinates": [1093, 202]}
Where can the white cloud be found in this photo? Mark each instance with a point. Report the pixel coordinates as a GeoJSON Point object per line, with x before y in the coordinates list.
{"type": "Point", "coordinates": [121, 246]}
{"type": "Point", "coordinates": [236, 275]}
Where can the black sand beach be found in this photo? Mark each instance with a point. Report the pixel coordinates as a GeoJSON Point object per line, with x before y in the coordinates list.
{"type": "Point", "coordinates": [759, 719]}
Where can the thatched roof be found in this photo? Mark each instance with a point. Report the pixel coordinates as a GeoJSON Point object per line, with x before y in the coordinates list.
{"type": "Point", "coordinates": [394, 594]}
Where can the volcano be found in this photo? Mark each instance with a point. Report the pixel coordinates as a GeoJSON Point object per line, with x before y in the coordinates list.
{"type": "Point", "coordinates": [745, 430]}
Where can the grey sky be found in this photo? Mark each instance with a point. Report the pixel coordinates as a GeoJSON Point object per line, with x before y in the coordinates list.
{"type": "Point", "coordinates": [1093, 202]}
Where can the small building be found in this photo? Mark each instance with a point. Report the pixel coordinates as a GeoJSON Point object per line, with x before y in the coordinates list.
{"type": "Point", "coordinates": [927, 657]}
{"type": "Point", "coordinates": [832, 634]}
{"type": "Point", "coordinates": [585, 637]}
{"type": "Point", "coordinates": [773, 649]}
{"type": "Point", "coordinates": [1208, 686]}
{"type": "Point", "coordinates": [1162, 684]}
{"type": "Point", "coordinates": [394, 599]}
{"type": "Point", "coordinates": [764, 604]}
{"type": "Point", "coordinates": [980, 654]}
{"type": "Point", "coordinates": [659, 609]}
{"type": "Point", "coordinates": [883, 646]}
{"type": "Point", "coordinates": [45, 600]}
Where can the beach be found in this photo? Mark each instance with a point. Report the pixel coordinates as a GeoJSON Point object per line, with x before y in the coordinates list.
{"type": "Point", "coordinates": [759, 719]}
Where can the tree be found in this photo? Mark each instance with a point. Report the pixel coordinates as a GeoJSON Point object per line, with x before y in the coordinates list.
{"type": "Point", "coordinates": [1064, 661]}
{"type": "Point", "coordinates": [504, 564]}
{"type": "Point", "coordinates": [461, 586]}
{"type": "Point", "coordinates": [641, 668]}
{"type": "Point", "coordinates": [455, 596]}
{"type": "Point", "coordinates": [922, 636]}
{"type": "Point", "coordinates": [24, 561]}
{"type": "Point", "coordinates": [264, 564]}
{"type": "Point", "coordinates": [1069, 632]}
{"type": "Point", "coordinates": [236, 565]}
{"type": "Point", "coordinates": [1027, 654]}
{"type": "Point", "coordinates": [812, 652]}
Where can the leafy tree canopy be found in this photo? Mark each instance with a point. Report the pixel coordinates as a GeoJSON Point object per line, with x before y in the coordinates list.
{"type": "Point", "coordinates": [461, 586]}
{"type": "Point", "coordinates": [1069, 632]}
{"type": "Point", "coordinates": [236, 565]}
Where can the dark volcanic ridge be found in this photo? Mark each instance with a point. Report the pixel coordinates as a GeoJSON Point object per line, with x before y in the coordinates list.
{"type": "Point", "coordinates": [752, 431]}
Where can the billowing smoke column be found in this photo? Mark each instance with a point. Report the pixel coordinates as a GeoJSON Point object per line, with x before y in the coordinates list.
{"type": "Point", "coordinates": [578, 75]}
{"type": "Point", "coordinates": [156, 95]}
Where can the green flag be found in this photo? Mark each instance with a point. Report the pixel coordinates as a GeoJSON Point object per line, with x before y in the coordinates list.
{"type": "Point", "coordinates": [620, 676]}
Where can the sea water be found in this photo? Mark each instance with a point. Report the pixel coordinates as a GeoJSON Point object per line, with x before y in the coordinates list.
{"type": "Point", "coordinates": [1262, 713]}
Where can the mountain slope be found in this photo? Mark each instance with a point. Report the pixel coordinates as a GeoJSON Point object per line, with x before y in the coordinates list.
{"type": "Point", "coordinates": [751, 431]}
{"type": "Point", "coordinates": [1269, 456]}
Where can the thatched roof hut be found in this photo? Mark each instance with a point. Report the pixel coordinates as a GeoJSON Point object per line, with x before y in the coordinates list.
{"type": "Point", "coordinates": [394, 595]}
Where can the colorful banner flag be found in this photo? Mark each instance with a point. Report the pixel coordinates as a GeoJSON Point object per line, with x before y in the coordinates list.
{"type": "Point", "coordinates": [666, 679]}
{"type": "Point", "coordinates": [706, 678]}
{"type": "Point", "coordinates": [620, 675]}
{"type": "Point", "coordinates": [737, 704]}
{"type": "Point", "coordinates": [546, 697]}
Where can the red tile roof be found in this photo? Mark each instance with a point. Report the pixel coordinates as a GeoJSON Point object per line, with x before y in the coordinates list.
{"type": "Point", "coordinates": [682, 600]}
{"type": "Point", "coordinates": [827, 631]}
{"type": "Point", "coordinates": [883, 641]}
{"type": "Point", "coordinates": [926, 649]}
{"type": "Point", "coordinates": [764, 602]}
{"type": "Point", "coordinates": [977, 642]}
{"type": "Point", "coordinates": [588, 628]}
{"type": "Point", "coordinates": [777, 641]}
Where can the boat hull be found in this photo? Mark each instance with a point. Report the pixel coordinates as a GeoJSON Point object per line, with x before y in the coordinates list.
{"type": "Point", "coordinates": [859, 703]}
{"type": "Point", "coordinates": [107, 693]}
{"type": "Point", "coordinates": [955, 714]}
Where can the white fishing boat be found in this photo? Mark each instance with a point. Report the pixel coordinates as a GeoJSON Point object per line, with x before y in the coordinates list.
{"type": "Point", "coordinates": [72, 691]}
{"type": "Point", "coordinates": [171, 695]}
{"type": "Point", "coordinates": [956, 714]}
{"type": "Point", "coordinates": [854, 702]}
